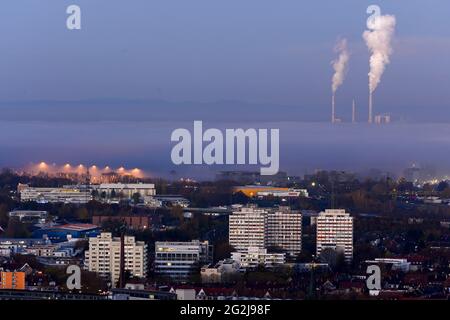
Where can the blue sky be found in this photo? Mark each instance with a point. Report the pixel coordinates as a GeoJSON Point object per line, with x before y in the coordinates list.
{"type": "Point", "coordinates": [262, 51]}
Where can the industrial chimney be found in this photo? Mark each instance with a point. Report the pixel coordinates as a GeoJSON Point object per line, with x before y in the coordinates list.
{"type": "Point", "coordinates": [353, 112]}
{"type": "Point", "coordinates": [333, 112]}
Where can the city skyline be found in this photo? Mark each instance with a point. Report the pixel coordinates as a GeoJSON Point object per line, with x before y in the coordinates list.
{"type": "Point", "coordinates": [224, 158]}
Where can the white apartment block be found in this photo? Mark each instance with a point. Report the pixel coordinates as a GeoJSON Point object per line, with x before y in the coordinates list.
{"type": "Point", "coordinates": [284, 230]}
{"type": "Point", "coordinates": [253, 257]}
{"type": "Point", "coordinates": [247, 228]}
{"type": "Point", "coordinates": [335, 230]}
{"type": "Point", "coordinates": [179, 260]}
{"type": "Point", "coordinates": [262, 228]}
{"type": "Point", "coordinates": [104, 256]}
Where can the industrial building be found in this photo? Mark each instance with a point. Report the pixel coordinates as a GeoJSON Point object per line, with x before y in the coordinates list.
{"type": "Point", "coordinates": [67, 232]}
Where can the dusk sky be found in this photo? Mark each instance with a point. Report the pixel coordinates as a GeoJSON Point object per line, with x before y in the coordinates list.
{"type": "Point", "coordinates": [254, 51]}
{"type": "Point", "coordinates": [235, 61]}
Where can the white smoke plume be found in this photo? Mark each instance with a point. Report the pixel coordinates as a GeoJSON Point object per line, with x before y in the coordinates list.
{"type": "Point", "coordinates": [340, 64]}
{"type": "Point", "coordinates": [378, 41]}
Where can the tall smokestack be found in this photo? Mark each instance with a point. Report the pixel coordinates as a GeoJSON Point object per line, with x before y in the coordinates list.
{"type": "Point", "coordinates": [353, 112]}
{"type": "Point", "coordinates": [333, 114]}
{"type": "Point", "coordinates": [378, 40]}
{"type": "Point", "coordinates": [340, 69]}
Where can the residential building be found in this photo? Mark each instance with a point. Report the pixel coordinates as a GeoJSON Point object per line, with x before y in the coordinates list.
{"type": "Point", "coordinates": [335, 231]}
{"type": "Point", "coordinates": [284, 230]}
{"type": "Point", "coordinates": [12, 280]}
{"type": "Point", "coordinates": [278, 228]}
{"type": "Point", "coordinates": [60, 250]}
{"type": "Point", "coordinates": [220, 272]}
{"type": "Point", "coordinates": [10, 246]}
{"type": "Point", "coordinates": [254, 257]}
{"type": "Point", "coordinates": [247, 228]}
{"type": "Point", "coordinates": [42, 250]}
{"type": "Point", "coordinates": [179, 260]}
{"type": "Point", "coordinates": [184, 294]}
{"type": "Point", "coordinates": [104, 256]}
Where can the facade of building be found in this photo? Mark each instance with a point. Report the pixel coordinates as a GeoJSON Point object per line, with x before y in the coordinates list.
{"type": "Point", "coordinates": [218, 273]}
{"type": "Point", "coordinates": [246, 177]}
{"type": "Point", "coordinates": [55, 195]}
{"type": "Point", "coordinates": [260, 190]}
{"type": "Point", "coordinates": [137, 222]}
{"type": "Point", "coordinates": [124, 190]}
{"type": "Point", "coordinates": [289, 193]}
{"type": "Point", "coordinates": [254, 257]}
{"type": "Point", "coordinates": [12, 280]}
{"type": "Point", "coordinates": [67, 232]}
{"type": "Point", "coordinates": [247, 228]}
{"type": "Point", "coordinates": [33, 216]}
{"type": "Point", "coordinates": [141, 294]}
{"type": "Point", "coordinates": [10, 246]}
{"type": "Point", "coordinates": [284, 230]}
{"type": "Point", "coordinates": [179, 260]}
{"type": "Point", "coordinates": [104, 256]}
{"type": "Point", "coordinates": [42, 250]}
{"type": "Point", "coordinates": [382, 119]}
{"type": "Point", "coordinates": [279, 228]}
{"type": "Point", "coordinates": [395, 264]}
{"type": "Point", "coordinates": [171, 200]}
{"type": "Point", "coordinates": [335, 231]}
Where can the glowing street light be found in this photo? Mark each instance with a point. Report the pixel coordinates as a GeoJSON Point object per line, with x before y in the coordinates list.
{"type": "Point", "coordinates": [43, 166]}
